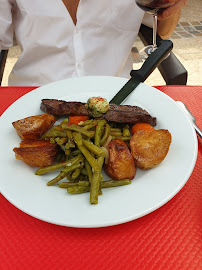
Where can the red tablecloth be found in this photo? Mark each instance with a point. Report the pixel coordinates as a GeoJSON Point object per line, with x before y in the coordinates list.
{"type": "Point", "coordinates": [168, 238]}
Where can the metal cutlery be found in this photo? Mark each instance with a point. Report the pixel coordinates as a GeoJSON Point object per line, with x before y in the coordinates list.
{"type": "Point", "coordinates": [191, 117]}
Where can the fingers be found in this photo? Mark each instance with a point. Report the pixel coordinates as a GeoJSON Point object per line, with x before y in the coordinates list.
{"type": "Point", "coordinates": [177, 5]}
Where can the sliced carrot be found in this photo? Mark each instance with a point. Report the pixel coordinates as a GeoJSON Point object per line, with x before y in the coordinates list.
{"type": "Point", "coordinates": [141, 126]}
{"type": "Point", "coordinates": [77, 119]}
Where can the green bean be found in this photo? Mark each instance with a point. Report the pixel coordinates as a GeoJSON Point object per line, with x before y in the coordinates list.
{"type": "Point", "coordinates": [68, 184]}
{"type": "Point", "coordinates": [100, 161]}
{"type": "Point", "coordinates": [115, 183]}
{"type": "Point", "coordinates": [57, 166]}
{"type": "Point", "coordinates": [84, 183]}
{"type": "Point", "coordinates": [94, 188]}
{"type": "Point", "coordinates": [69, 134]}
{"type": "Point", "coordinates": [84, 171]}
{"type": "Point", "coordinates": [93, 148]}
{"type": "Point", "coordinates": [72, 167]}
{"type": "Point", "coordinates": [53, 133]}
{"type": "Point", "coordinates": [101, 177]}
{"type": "Point", "coordinates": [88, 169]}
{"type": "Point", "coordinates": [75, 152]}
{"type": "Point", "coordinates": [116, 133]}
{"type": "Point", "coordinates": [69, 178]}
{"type": "Point", "coordinates": [106, 134]}
{"type": "Point", "coordinates": [81, 130]}
{"type": "Point", "coordinates": [98, 132]}
{"type": "Point", "coordinates": [50, 168]}
{"type": "Point", "coordinates": [70, 143]}
{"type": "Point", "coordinates": [61, 141]}
{"type": "Point", "coordinates": [76, 173]}
{"type": "Point", "coordinates": [89, 157]}
{"type": "Point", "coordinates": [78, 189]}
{"type": "Point", "coordinates": [64, 173]}
{"type": "Point", "coordinates": [52, 140]}
{"type": "Point", "coordinates": [86, 153]}
{"type": "Point", "coordinates": [77, 138]}
{"type": "Point", "coordinates": [67, 146]}
{"type": "Point", "coordinates": [75, 184]}
{"type": "Point", "coordinates": [126, 131]}
{"type": "Point", "coordinates": [57, 178]}
{"type": "Point", "coordinates": [121, 138]}
{"type": "Point", "coordinates": [56, 128]}
{"type": "Point", "coordinates": [64, 123]}
{"type": "Point", "coordinates": [86, 122]}
{"type": "Point", "coordinates": [66, 120]}
{"type": "Point", "coordinates": [115, 129]}
{"type": "Point", "coordinates": [87, 127]}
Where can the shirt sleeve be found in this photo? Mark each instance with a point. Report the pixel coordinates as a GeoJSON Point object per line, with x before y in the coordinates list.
{"type": "Point", "coordinates": [6, 26]}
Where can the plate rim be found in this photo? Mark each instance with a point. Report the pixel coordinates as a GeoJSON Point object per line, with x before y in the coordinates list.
{"type": "Point", "coordinates": [129, 218]}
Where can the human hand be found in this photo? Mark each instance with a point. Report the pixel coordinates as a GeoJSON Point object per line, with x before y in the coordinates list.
{"type": "Point", "coordinates": [176, 7]}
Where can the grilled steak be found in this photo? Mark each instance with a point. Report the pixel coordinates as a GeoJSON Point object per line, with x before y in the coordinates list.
{"type": "Point", "coordinates": [61, 107]}
{"type": "Point", "coordinates": [116, 113]}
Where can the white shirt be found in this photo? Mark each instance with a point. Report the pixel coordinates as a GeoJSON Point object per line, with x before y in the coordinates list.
{"type": "Point", "coordinates": [53, 48]}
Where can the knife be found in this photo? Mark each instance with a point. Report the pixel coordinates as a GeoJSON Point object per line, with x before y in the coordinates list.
{"type": "Point", "coordinates": [140, 75]}
{"type": "Point", "coordinates": [191, 117]}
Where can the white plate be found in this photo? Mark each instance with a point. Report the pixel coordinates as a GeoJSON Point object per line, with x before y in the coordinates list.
{"type": "Point", "coordinates": [147, 192]}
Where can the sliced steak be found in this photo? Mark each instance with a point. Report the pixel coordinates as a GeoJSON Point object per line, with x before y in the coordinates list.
{"type": "Point", "coordinates": [130, 117]}
{"type": "Point", "coordinates": [61, 107]}
{"type": "Point", "coordinates": [116, 113]}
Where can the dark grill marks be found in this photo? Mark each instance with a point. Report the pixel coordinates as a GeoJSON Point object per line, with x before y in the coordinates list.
{"type": "Point", "coordinates": [116, 113]}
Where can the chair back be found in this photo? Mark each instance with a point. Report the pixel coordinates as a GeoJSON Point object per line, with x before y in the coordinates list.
{"type": "Point", "coordinates": [171, 69]}
{"type": "Point", "coordinates": [3, 56]}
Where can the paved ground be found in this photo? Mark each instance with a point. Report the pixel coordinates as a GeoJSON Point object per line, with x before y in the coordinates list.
{"type": "Point", "coordinates": [187, 40]}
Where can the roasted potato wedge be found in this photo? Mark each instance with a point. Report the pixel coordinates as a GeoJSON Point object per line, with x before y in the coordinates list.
{"type": "Point", "coordinates": [120, 163]}
{"type": "Point", "coordinates": [33, 127]}
{"type": "Point", "coordinates": [36, 153]}
{"type": "Point", "coordinates": [150, 147]}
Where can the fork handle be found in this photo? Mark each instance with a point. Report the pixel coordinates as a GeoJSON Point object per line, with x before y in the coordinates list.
{"type": "Point", "coordinates": [198, 131]}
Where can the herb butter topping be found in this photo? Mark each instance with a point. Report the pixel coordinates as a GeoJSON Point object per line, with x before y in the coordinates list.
{"type": "Point", "coordinates": [98, 106]}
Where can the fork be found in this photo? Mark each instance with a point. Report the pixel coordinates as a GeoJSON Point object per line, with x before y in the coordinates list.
{"type": "Point", "coordinates": [191, 117]}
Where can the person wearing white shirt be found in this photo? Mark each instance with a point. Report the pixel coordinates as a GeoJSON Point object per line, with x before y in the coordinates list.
{"type": "Point", "coordinates": [60, 39]}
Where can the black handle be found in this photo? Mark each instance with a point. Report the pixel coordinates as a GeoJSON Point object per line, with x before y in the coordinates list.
{"type": "Point", "coordinates": [153, 60]}
{"type": "Point", "coordinates": [138, 76]}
